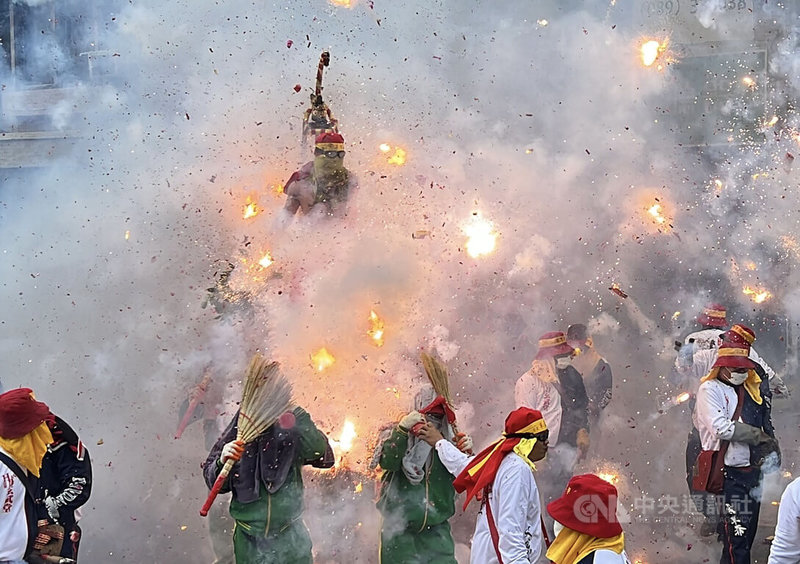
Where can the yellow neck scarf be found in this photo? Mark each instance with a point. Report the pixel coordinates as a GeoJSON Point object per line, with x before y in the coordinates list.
{"type": "Point", "coordinates": [523, 449]}
{"type": "Point", "coordinates": [571, 546]}
{"type": "Point", "coordinates": [29, 450]}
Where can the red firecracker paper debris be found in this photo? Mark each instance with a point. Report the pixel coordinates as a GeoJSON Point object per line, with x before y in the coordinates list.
{"type": "Point", "coordinates": [289, 44]}
{"type": "Point", "coordinates": [614, 288]}
{"type": "Point", "coordinates": [297, 88]}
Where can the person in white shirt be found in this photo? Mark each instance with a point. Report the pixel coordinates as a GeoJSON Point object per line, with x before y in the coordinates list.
{"type": "Point", "coordinates": [786, 545]}
{"type": "Point", "coordinates": [509, 525]}
{"type": "Point", "coordinates": [587, 528]}
{"type": "Point", "coordinates": [24, 436]}
{"type": "Point", "coordinates": [733, 418]}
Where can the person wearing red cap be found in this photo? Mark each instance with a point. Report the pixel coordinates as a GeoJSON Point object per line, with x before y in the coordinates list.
{"type": "Point", "coordinates": [24, 436]}
{"type": "Point", "coordinates": [554, 387]}
{"type": "Point", "coordinates": [323, 185]}
{"type": "Point", "coordinates": [417, 498]}
{"type": "Point", "coordinates": [509, 525]}
{"type": "Point", "coordinates": [586, 524]}
{"type": "Point", "coordinates": [733, 416]}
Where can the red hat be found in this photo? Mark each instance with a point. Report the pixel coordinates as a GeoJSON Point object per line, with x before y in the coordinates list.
{"type": "Point", "coordinates": [20, 413]}
{"type": "Point", "coordinates": [734, 355]}
{"type": "Point", "coordinates": [740, 334]}
{"type": "Point", "coordinates": [329, 141]}
{"type": "Point", "coordinates": [552, 344]}
{"type": "Point", "coordinates": [588, 506]}
{"type": "Point", "coordinates": [521, 423]}
{"type": "Point", "coordinates": [713, 315]}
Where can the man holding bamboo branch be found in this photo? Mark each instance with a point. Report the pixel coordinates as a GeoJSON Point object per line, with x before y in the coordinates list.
{"type": "Point", "coordinates": [264, 449]}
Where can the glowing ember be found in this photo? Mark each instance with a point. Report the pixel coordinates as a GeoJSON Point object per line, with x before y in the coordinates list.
{"type": "Point", "coordinates": [655, 212]}
{"type": "Point", "coordinates": [481, 237]}
{"type": "Point", "coordinates": [348, 436]}
{"type": "Point", "coordinates": [322, 359]}
{"type": "Point", "coordinates": [542, 23]}
{"type": "Point", "coordinates": [250, 209]}
{"type": "Point", "coordinates": [266, 260]}
{"type": "Point", "coordinates": [609, 477]}
{"type": "Point", "coordinates": [772, 122]}
{"type": "Point", "coordinates": [750, 265]}
{"type": "Point", "coordinates": [385, 148]}
{"type": "Point", "coordinates": [342, 3]}
{"type": "Point", "coordinates": [749, 82]}
{"type": "Point", "coordinates": [675, 315]}
{"type": "Point", "coordinates": [359, 487]}
{"type": "Point", "coordinates": [682, 398]}
{"type": "Point", "coordinates": [127, 234]}
{"type": "Point", "coordinates": [787, 474]}
{"type": "Point", "coordinates": [376, 330]}
{"type": "Point", "coordinates": [398, 158]}
{"type": "Point", "coordinates": [277, 188]}
{"type": "Point", "coordinates": [394, 391]}
{"type": "Point", "coordinates": [757, 295]}
{"type": "Point", "coordinates": [652, 50]}
{"type": "Point", "coordinates": [718, 186]}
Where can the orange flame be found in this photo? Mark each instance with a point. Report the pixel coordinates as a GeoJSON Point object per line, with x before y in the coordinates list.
{"type": "Point", "coordinates": [749, 82]}
{"type": "Point", "coordinates": [250, 209]}
{"type": "Point", "coordinates": [348, 436]}
{"type": "Point", "coordinates": [682, 398]}
{"type": "Point", "coordinates": [322, 359]}
{"type": "Point", "coordinates": [266, 260]}
{"type": "Point", "coordinates": [359, 487]}
{"type": "Point", "coordinates": [608, 476]}
{"type": "Point", "coordinates": [481, 236]}
{"type": "Point", "coordinates": [757, 295]}
{"type": "Point", "coordinates": [398, 157]}
{"type": "Point", "coordinates": [342, 3]}
{"type": "Point", "coordinates": [655, 212]}
{"type": "Point", "coordinates": [377, 328]}
{"type": "Point", "coordinates": [653, 50]}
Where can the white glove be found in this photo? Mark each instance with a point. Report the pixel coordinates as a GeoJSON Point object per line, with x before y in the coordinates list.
{"type": "Point", "coordinates": [232, 450]}
{"type": "Point", "coordinates": [464, 443]}
{"type": "Point", "coordinates": [411, 419]}
{"type": "Point", "coordinates": [51, 505]}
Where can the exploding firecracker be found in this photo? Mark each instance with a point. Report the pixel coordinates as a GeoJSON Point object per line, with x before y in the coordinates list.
{"type": "Point", "coordinates": [359, 487]}
{"type": "Point", "coordinates": [250, 209]}
{"type": "Point", "coordinates": [322, 359]}
{"type": "Point", "coordinates": [376, 329]}
{"type": "Point", "coordinates": [771, 122]}
{"type": "Point", "coordinates": [653, 51]}
{"type": "Point", "coordinates": [680, 398]}
{"type": "Point", "coordinates": [609, 477]}
{"type": "Point", "coordinates": [757, 295]}
{"type": "Point", "coordinates": [616, 289]}
{"type": "Point", "coordinates": [266, 260]}
{"type": "Point", "coordinates": [655, 211]}
{"type": "Point", "coordinates": [127, 234]}
{"type": "Point", "coordinates": [343, 3]}
{"type": "Point", "coordinates": [542, 23]}
{"type": "Point", "coordinates": [749, 82]}
{"type": "Point", "coordinates": [348, 436]}
{"type": "Point", "coordinates": [718, 185]}
{"type": "Point", "coordinates": [481, 236]}
{"type": "Point", "coordinates": [395, 155]}
{"type": "Point", "coordinates": [676, 315]}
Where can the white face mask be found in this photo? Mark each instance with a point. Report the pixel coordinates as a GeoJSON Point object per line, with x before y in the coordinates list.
{"type": "Point", "coordinates": [563, 362]}
{"type": "Point", "coordinates": [557, 527]}
{"type": "Point", "coordinates": [737, 378]}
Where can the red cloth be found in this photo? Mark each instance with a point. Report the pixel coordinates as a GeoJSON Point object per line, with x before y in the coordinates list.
{"type": "Point", "coordinates": [329, 137]}
{"type": "Point", "coordinates": [713, 315]}
{"type": "Point", "coordinates": [20, 413]}
{"type": "Point", "coordinates": [439, 407]}
{"type": "Point", "coordinates": [734, 355]}
{"type": "Point", "coordinates": [553, 344]}
{"type": "Point", "coordinates": [740, 334]}
{"type": "Point", "coordinates": [589, 506]}
{"type": "Point", "coordinates": [475, 484]}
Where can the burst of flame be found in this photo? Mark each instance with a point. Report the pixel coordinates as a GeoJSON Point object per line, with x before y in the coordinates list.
{"type": "Point", "coordinates": [266, 260]}
{"type": "Point", "coordinates": [609, 477]}
{"type": "Point", "coordinates": [358, 488]}
{"type": "Point", "coordinates": [385, 148]}
{"type": "Point", "coordinates": [250, 209]}
{"type": "Point", "coordinates": [750, 265]}
{"type": "Point", "coordinates": [542, 23]}
{"type": "Point", "coordinates": [652, 50]}
{"type": "Point", "coordinates": [127, 234]}
{"type": "Point", "coordinates": [322, 359]}
{"type": "Point", "coordinates": [376, 329]}
{"type": "Point", "coordinates": [682, 398]}
{"type": "Point", "coordinates": [655, 212]}
{"type": "Point", "coordinates": [398, 158]}
{"type": "Point", "coordinates": [772, 121]}
{"type": "Point", "coordinates": [481, 237]}
{"type": "Point", "coordinates": [277, 188]}
{"type": "Point", "coordinates": [757, 295]}
{"type": "Point", "coordinates": [749, 82]}
{"type": "Point", "coordinates": [348, 436]}
{"type": "Point", "coordinates": [787, 474]}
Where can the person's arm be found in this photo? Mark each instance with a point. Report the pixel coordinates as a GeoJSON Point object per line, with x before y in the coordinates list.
{"type": "Point", "coordinates": [13, 525]}
{"type": "Point", "coordinates": [513, 491]}
{"type": "Point", "coordinates": [393, 450]}
{"type": "Point", "coordinates": [605, 385]}
{"type": "Point", "coordinates": [74, 470]}
{"type": "Point", "coordinates": [522, 393]}
{"type": "Point", "coordinates": [313, 445]}
{"type": "Point", "coordinates": [786, 546]}
{"type": "Point", "coordinates": [213, 465]}
{"type": "Point", "coordinates": [453, 459]}
{"type": "Point", "coordinates": [711, 411]}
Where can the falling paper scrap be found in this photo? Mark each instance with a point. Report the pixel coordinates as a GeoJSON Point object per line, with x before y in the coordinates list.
{"type": "Point", "coordinates": [615, 288]}
{"type": "Point", "coordinates": [420, 234]}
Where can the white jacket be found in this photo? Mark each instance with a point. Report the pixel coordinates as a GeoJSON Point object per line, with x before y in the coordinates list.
{"type": "Point", "coordinates": [515, 507]}
{"type": "Point", "coordinates": [13, 524]}
{"type": "Point", "coordinates": [786, 546]}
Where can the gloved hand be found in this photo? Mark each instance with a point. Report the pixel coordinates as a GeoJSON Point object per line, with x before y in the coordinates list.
{"type": "Point", "coordinates": [582, 442]}
{"type": "Point", "coordinates": [464, 443]}
{"type": "Point", "coordinates": [233, 450]}
{"type": "Point", "coordinates": [411, 419]}
{"type": "Point", "coordinates": [782, 390]}
{"type": "Point", "coordinates": [744, 433]}
{"type": "Point", "coordinates": [51, 504]}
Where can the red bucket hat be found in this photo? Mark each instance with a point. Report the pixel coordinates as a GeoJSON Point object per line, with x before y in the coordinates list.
{"type": "Point", "coordinates": [552, 344]}
{"type": "Point", "coordinates": [734, 355]}
{"type": "Point", "coordinates": [329, 141]}
{"type": "Point", "coordinates": [20, 413]}
{"type": "Point", "coordinates": [713, 315]}
{"type": "Point", "coordinates": [740, 334]}
{"type": "Point", "coordinates": [589, 506]}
